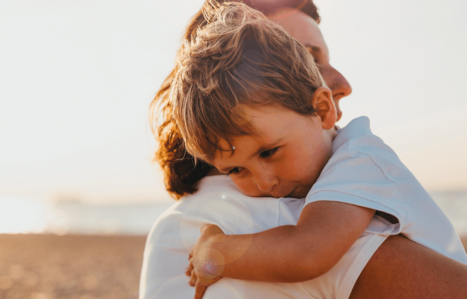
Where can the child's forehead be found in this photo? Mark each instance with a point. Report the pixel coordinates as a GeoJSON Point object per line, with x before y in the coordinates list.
{"type": "Point", "coordinates": [267, 120]}
{"type": "Point", "coordinates": [254, 112]}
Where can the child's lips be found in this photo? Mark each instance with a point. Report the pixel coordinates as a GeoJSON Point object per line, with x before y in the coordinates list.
{"type": "Point", "coordinates": [283, 194]}
{"type": "Point", "coordinates": [291, 192]}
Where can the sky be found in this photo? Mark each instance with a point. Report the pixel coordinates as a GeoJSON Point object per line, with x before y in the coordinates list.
{"type": "Point", "coordinates": [77, 77]}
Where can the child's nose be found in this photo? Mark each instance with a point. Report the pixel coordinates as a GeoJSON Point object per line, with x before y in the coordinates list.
{"type": "Point", "coordinates": [266, 182]}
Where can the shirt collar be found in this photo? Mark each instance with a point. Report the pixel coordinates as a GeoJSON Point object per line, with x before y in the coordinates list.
{"type": "Point", "coordinates": [357, 127]}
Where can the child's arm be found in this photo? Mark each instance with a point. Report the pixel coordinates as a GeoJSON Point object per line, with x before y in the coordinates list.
{"type": "Point", "coordinates": [323, 234]}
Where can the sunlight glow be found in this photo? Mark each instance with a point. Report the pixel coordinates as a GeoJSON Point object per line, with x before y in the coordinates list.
{"type": "Point", "coordinates": [22, 215]}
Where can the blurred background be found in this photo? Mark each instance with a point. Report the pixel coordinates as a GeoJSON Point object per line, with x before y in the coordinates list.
{"type": "Point", "coordinates": [76, 80]}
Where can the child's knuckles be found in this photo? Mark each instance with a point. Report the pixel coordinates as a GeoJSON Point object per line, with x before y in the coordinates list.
{"type": "Point", "coordinates": [188, 271]}
{"type": "Point", "coordinates": [190, 266]}
{"type": "Point", "coordinates": [193, 278]}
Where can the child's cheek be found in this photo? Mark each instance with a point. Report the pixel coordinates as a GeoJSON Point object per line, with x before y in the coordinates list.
{"type": "Point", "coordinates": [247, 186]}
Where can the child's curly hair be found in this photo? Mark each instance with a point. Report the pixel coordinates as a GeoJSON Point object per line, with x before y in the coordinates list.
{"type": "Point", "coordinates": [181, 173]}
{"type": "Point", "coordinates": [237, 60]}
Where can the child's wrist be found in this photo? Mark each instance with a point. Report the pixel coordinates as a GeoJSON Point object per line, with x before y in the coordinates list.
{"type": "Point", "coordinates": [211, 232]}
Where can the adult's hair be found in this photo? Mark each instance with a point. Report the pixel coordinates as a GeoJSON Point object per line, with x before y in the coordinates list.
{"type": "Point", "coordinates": [181, 173]}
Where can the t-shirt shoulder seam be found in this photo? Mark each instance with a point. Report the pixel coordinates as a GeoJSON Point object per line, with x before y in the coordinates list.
{"type": "Point", "coordinates": [372, 160]}
{"type": "Point", "coordinates": [401, 195]}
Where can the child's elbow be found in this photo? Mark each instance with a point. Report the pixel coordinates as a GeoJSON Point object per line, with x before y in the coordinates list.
{"type": "Point", "coordinates": [301, 273]}
{"type": "Point", "coordinates": [314, 270]}
{"type": "Point", "coordinates": [314, 266]}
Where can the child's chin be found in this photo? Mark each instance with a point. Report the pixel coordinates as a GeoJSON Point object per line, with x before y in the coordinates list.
{"type": "Point", "coordinates": [299, 192]}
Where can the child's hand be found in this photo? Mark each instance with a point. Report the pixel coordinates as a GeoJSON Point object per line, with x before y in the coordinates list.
{"type": "Point", "coordinates": [206, 265]}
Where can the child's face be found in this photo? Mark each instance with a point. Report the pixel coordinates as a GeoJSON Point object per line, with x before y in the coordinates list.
{"type": "Point", "coordinates": [284, 159]}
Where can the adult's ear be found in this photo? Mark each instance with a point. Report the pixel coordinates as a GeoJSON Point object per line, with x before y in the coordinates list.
{"type": "Point", "coordinates": [325, 107]}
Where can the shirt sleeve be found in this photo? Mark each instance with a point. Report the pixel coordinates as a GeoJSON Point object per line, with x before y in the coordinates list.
{"type": "Point", "coordinates": [355, 177]}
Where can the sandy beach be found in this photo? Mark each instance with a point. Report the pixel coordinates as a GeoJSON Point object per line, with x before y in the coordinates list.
{"type": "Point", "coordinates": [71, 266]}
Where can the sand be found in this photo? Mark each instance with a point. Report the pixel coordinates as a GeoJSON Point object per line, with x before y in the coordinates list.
{"type": "Point", "coordinates": [71, 266]}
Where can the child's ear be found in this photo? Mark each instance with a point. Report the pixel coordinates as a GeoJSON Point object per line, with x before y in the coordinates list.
{"type": "Point", "coordinates": [324, 106]}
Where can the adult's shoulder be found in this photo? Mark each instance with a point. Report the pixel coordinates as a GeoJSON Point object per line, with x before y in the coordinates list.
{"type": "Point", "coordinates": [175, 232]}
{"type": "Point", "coordinates": [218, 201]}
{"type": "Point", "coordinates": [165, 227]}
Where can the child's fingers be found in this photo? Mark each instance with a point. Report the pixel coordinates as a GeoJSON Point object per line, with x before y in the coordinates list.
{"type": "Point", "coordinates": [200, 289]}
{"type": "Point", "coordinates": [193, 279]}
{"type": "Point", "coordinates": [189, 269]}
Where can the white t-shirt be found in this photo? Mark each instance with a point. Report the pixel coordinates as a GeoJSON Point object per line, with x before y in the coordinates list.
{"type": "Point", "coordinates": [364, 171]}
{"type": "Point", "coordinates": [219, 201]}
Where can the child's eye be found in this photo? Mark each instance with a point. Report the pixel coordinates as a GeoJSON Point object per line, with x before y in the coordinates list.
{"type": "Point", "coordinates": [234, 171]}
{"type": "Point", "coordinates": [268, 153]}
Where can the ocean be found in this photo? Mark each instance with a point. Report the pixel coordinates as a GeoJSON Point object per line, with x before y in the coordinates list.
{"type": "Point", "coordinates": [24, 215]}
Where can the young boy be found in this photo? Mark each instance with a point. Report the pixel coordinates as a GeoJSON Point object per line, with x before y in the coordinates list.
{"type": "Point", "coordinates": [249, 99]}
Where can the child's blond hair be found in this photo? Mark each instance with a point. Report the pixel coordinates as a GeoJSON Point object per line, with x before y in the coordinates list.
{"type": "Point", "coordinates": [238, 60]}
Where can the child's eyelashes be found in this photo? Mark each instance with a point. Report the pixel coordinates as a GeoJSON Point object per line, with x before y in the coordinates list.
{"type": "Point", "coordinates": [234, 170]}
{"type": "Point", "coordinates": [268, 153]}
{"type": "Point", "coordinates": [264, 155]}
